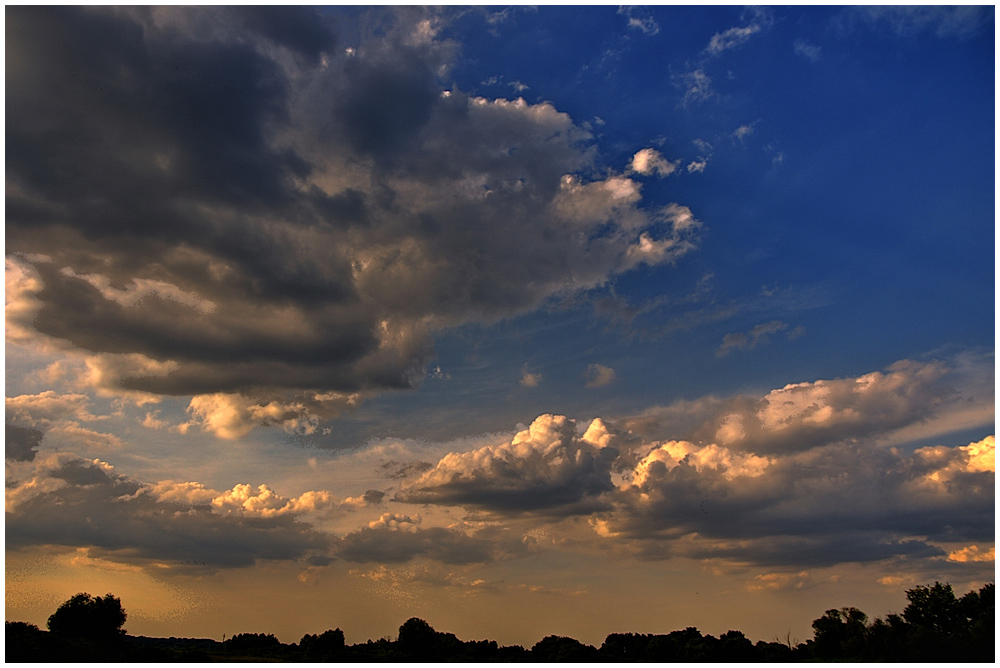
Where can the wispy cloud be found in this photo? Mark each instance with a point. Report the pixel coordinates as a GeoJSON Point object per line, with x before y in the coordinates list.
{"type": "Point", "coordinates": [697, 87]}
{"type": "Point", "coordinates": [758, 335]}
{"type": "Point", "coordinates": [959, 22]}
{"type": "Point", "coordinates": [645, 24]}
{"type": "Point", "coordinates": [758, 19]}
{"type": "Point", "coordinates": [806, 50]}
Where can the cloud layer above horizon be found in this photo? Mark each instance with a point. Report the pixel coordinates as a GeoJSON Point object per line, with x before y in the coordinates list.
{"type": "Point", "coordinates": [788, 479]}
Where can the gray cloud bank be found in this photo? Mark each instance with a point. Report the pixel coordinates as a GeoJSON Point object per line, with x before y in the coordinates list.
{"type": "Point", "coordinates": [224, 200]}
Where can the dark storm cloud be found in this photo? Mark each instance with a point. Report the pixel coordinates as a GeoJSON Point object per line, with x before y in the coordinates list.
{"type": "Point", "coordinates": [224, 196]}
{"type": "Point", "coordinates": [387, 101]}
{"type": "Point", "coordinates": [95, 507]}
{"type": "Point", "coordinates": [21, 443]}
{"type": "Point", "coordinates": [297, 28]}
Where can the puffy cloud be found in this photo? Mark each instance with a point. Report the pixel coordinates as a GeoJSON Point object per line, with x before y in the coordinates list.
{"type": "Point", "coordinates": [302, 229]}
{"type": "Point", "coordinates": [973, 553]}
{"type": "Point", "coordinates": [245, 500]}
{"type": "Point", "coordinates": [650, 161]}
{"type": "Point", "coordinates": [598, 375]}
{"type": "Point", "coordinates": [842, 500]}
{"type": "Point", "coordinates": [232, 416]}
{"type": "Point", "coordinates": [546, 468]}
{"type": "Point", "coordinates": [669, 455]}
{"type": "Point", "coordinates": [828, 506]}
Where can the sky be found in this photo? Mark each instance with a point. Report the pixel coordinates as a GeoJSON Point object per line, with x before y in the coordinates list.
{"type": "Point", "coordinates": [523, 321]}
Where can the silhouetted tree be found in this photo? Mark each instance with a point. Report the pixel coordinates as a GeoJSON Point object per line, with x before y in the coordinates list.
{"type": "Point", "coordinates": [625, 647]}
{"type": "Point", "coordinates": [734, 647]}
{"type": "Point", "coordinates": [325, 647]}
{"type": "Point", "coordinates": [675, 646]}
{"type": "Point", "coordinates": [252, 643]}
{"type": "Point", "coordinates": [946, 628]}
{"type": "Point", "coordinates": [26, 642]}
{"type": "Point", "coordinates": [979, 609]}
{"type": "Point", "coordinates": [933, 608]}
{"type": "Point", "coordinates": [417, 639]}
{"type": "Point", "coordinates": [559, 649]}
{"type": "Point", "coordinates": [86, 616]}
{"type": "Point", "coordinates": [840, 633]}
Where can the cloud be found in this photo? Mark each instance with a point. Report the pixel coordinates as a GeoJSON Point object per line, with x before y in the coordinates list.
{"type": "Point", "coordinates": [748, 341]}
{"type": "Point", "coordinates": [697, 165]}
{"type": "Point", "coordinates": [72, 436]}
{"type": "Point", "coordinates": [806, 50]}
{"type": "Point", "coordinates": [242, 209]}
{"type": "Point", "coordinates": [973, 553]}
{"type": "Point", "coordinates": [800, 477]}
{"type": "Point", "coordinates": [733, 38]}
{"type": "Point", "coordinates": [21, 443]}
{"type": "Point", "coordinates": [396, 541]}
{"type": "Point", "coordinates": [58, 417]}
{"type": "Point", "coordinates": [232, 416]}
{"type": "Point", "coordinates": [48, 407]}
{"type": "Point", "coordinates": [907, 401]}
{"type": "Point", "coordinates": [650, 161]}
{"type": "Point", "coordinates": [711, 502]}
{"type": "Point", "coordinates": [598, 375]}
{"type": "Point", "coordinates": [804, 415]}
{"type": "Point", "coordinates": [645, 24]}
{"type": "Point", "coordinates": [547, 468]}
{"type": "Point", "coordinates": [959, 22]}
{"type": "Point", "coordinates": [697, 87]}
{"type": "Point", "coordinates": [530, 379]}
{"type": "Point", "coordinates": [742, 132]}
{"type": "Point", "coordinates": [65, 500]}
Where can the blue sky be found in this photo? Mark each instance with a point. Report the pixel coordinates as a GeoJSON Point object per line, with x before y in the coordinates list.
{"type": "Point", "coordinates": [438, 311]}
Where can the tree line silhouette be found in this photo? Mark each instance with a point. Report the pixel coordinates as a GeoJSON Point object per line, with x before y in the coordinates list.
{"type": "Point", "coordinates": [934, 626]}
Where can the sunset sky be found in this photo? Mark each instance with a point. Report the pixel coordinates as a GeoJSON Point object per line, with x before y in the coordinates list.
{"type": "Point", "coordinates": [521, 321]}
